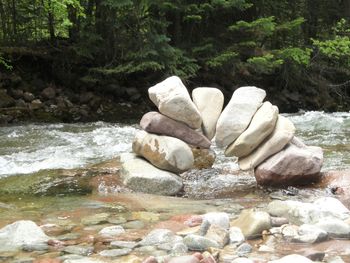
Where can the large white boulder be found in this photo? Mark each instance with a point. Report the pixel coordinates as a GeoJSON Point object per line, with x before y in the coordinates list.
{"type": "Point", "coordinates": [261, 126]}
{"type": "Point", "coordinates": [283, 133]}
{"type": "Point", "coordinates": [238, 113]}
{"type": "Point", "coordinates": [141, 176]}
{"type": "Point", "coordinates": [21, 233]}
{"type": "Point", "coordinates": [165, 152]}
{"type": "Point", "coordinates": [209, 102]}
{"type": "Point", "coordinates": [173, 100]}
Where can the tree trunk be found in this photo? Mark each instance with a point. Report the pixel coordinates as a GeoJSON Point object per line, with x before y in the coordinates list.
{"type": "Point", "coordinates": [3, 22]}
{"type": "Point", "coordinates": [51, 22]}
{"type": "Point", "coordinates": [73, 18]}
{"type": "Point", "coordinates": [14, 20]}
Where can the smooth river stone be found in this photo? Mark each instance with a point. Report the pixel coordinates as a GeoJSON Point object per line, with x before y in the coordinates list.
{"type": "Point", "coordinates": [164, 152]}
{"type": "Point", "coordinates": [280, 137]}
{"type": "Point", "coordinates": [141, 176]}
{"type": "Point", "coordinates": [209, 102]}
{"type": "Point", "coordinates": [173, 100]}
{"type": "Point", "coordinates": [238, 113]}
{"type": "Point", "coordinates": [261, 126]}
{"type": "Point", "coordinates": [292, 166]}
{"type": "Point", "coordinates": [157, 123]}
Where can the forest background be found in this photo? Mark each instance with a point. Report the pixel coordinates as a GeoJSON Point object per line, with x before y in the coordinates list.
{"type": "Point", "coordinates": [299, 51]}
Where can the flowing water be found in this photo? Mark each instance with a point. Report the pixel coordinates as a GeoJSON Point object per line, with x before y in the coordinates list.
{"type": "Point", "coordinates": [43, 148]}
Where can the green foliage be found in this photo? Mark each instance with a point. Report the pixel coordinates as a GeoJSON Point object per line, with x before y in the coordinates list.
{"type": "Point", "coordinates": [296, 55]}
{"type": "Point", "coordinates": [221, 59]}
{"type": "Point", "coordinates": [262, 27]}
{"type": "Point", "coordinates": [5, 63]}
{"type": "Point", "coordinates": [265, 64]}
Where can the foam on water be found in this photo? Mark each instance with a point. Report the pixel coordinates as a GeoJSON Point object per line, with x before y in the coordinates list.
{"type": "Point", "coordinates": [27, 149]}
{"type": "Point", "coordinates": [30, 148]}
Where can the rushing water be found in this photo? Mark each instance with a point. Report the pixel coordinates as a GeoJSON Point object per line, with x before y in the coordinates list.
{"type": "Point", "coordinates": [29, 148]}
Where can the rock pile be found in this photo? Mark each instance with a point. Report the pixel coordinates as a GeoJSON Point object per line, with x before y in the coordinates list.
{"type": "Point", "coordinates": [178, 137]}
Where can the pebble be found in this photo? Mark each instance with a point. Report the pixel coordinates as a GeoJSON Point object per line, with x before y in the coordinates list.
{"type": "Point", "coordinates": [115, 252]}
{"type": "Point", "coordinates": [79, 250]}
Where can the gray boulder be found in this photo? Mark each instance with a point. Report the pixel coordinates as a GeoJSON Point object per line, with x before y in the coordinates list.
{"type": "Point", "coordinates": [141, 176]}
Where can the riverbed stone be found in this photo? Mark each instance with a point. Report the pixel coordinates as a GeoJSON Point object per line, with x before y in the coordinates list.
{"type": "Point", "coordinates": [218, 234]}
{"type": "Point", "coordinates": [83, 260]}
{"type": "Point", "coordinates": [111, 231]}
{"type": "Point", "coordinates": [282, 134]}
{"type": "Point", "coordinates": [160, 236]}
{"type": "Point", "coordinates": [203, 158]}
{"type": "Point", "coordinates": [173, 100]}
{"type": "Point", "coordinates": [141, 176]}
{"type": "Point", "coordinates": [291, 166]}
{"type": "Point", "coordinates": [336, 228]}
{"type": "Point", "coordinates": [209, 102]}
{"type": "Point", "coordinates": [115, 252]}
{"type": "Point", "coordinates": [155, 122]}
{"type": "Point", "coordinates": [308, 213]}
{"type": "Point", "coordinates": [261, 126]}
{"type": "Point", "coordinates": [123, 244]}
{"type": "Point", "coordinates": [79, 250]}
{"type": "Point", "coordinates": [221, 219]}
{"type": "Point", "coordinates": [164, 152]}
{"type": "Point", "coordinates": [310, 234]}
{"type": "Point", "coordinates": [293, 258]}
{"type": "Point", "coordinates": [199, 243]}
{"type": "Point", "coordinates": [252, 223]}
{"type": "Point", "coordinates": [238, 113]}
{"type": "Point", "coordinates": [236, 236]}
{"type": "Point", "coordinates": [95, 219]}
{"type": "Point", "coordinates": [244, 249]}
{"type": "Point", "coordinates": [21, 233]}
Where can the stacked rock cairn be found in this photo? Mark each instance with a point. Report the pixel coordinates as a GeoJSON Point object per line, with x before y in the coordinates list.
{"type": "Point", "coordinates": [178, 137]}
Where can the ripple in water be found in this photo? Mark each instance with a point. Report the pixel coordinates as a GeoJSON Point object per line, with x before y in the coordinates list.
{"type": "Point", "coordinates": [30, 148]}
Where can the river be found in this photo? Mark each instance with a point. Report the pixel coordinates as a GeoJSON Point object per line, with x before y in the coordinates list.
{"type": "Point", "coordinates": [36, 148]}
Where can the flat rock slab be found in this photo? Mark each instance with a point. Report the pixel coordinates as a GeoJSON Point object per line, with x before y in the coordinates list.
{"type": "Point", "coordinates": [173, 100]}
{"type": "Point", "coordinates": [238, 113]}
{"type": "Point", "coordinates": [209, 102]}
{"type": "Point", "coordinates": [141, 176]}
{"type": "Point", "coordinates": [155, 122]}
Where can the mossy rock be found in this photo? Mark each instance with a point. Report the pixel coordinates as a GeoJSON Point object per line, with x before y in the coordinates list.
{"type": "Point", "coordinates": [46, 183]}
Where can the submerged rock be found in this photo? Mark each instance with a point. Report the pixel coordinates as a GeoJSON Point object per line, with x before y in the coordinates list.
{"type": "Point", "coordinates": [252, 223]}
{"type": "Point", "coordinates": [164, 152]}
{"type": "Point", "coordinates": [238, 113]}
{"type": "Point", "coordinates": [21, 233]}
{"type": "Point", "coordinates": [173, 100]}
{"type": "Point", "coordinates": [154, 122]}
{"type": "Point", "coordinates": [199, 243]}
{"type": "Point", "coordinates": [141, 176]}
{"type": "Point", "coordinates": [203, 158]}
{"type": "Point", "coordinates": [292, 259]}
{"type": "Point", "coordinates": [209, 102]}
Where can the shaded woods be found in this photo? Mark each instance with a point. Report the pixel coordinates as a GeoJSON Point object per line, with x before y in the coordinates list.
{"type": "Point", "coordinates": [299, 51]}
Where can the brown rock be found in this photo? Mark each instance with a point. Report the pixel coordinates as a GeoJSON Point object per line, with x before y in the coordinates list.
{"type": "Point", "coordinates": [28, 97]}
{"type": "Point", "coordinates": [6, 100]}
{"type": "Point", "coordinates": [154, 122]}
{"type": "Point", "coordinates": [48, 93]}
{"type": "Point", "coordinates": [203, 158]}
{"type": "Point", "coordinates": [293, 165]}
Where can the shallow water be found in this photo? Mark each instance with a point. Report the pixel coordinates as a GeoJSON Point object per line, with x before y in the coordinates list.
{"type": "Point", "coordinates": [28, 149]}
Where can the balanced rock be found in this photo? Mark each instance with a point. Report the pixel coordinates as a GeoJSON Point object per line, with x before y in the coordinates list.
{"type": "Point", "coordinates": [261, 126]}
{"type": "Point", "coordinates": [283, 133]}
{"type": "Point", "coordinates": [238, 113]}
{"type": "Point", "coordinates": [173, 100]}
{"type": "Point", "coordinates": [291, 166]}
{"type": "Point", "coordinates": [164, 152]}
{"type": "Point", "coordinates": [157, 123]}
{"type": "Point", "coordinates": [140, 176]}
{"type": "Point", "coordinates": [203, 158]}
{"type": "Point", "coordinates": [209, 102]}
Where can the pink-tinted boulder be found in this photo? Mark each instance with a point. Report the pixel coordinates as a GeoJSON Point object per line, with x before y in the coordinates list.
{"type": "Point", "coordinates": [154, 122]}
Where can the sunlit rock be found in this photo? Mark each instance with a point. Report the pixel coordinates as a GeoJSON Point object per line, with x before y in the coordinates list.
{"type": "Point", "coordinates": [173, 100]}
{"type": "Point", "coordinates": [209, 102]}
